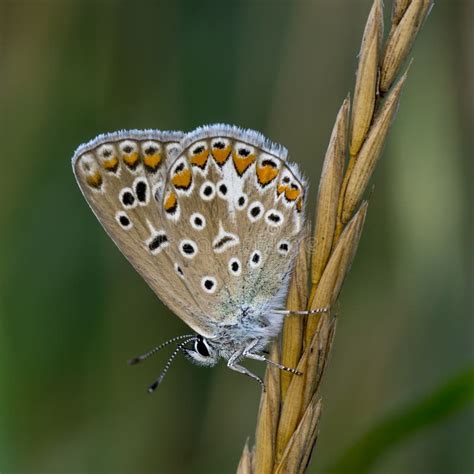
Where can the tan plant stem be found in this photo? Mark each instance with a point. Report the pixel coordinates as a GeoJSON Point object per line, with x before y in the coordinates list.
{"type": "Point", "coordinates": [290, 408]}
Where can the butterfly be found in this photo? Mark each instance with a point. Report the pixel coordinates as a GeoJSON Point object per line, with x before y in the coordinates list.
{"type": "Point", "coordinates": [212, 220]}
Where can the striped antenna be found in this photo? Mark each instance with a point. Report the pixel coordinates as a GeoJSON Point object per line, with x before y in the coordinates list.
{"type": "Point", "coordinates": [179, 348]}
{"type": "Point", "coordinates": [145, 356]}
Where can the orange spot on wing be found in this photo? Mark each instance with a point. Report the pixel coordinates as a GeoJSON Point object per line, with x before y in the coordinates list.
{"type": "Point", "coordinates": [292, 194]}
{"type": "Point", "coordinates": [200, 159]}
{"type": "Point", "coordinates": [281, 188]}
{"type": "Point", "coordinates": [152, 162]}
{"type": "Point", "coordinates": [111, 164]}
{"type": "Point", "coordinates": [94, 180]}
{"type": "Point", "coordinates": [171, 202]}
{"type": "Point", "coordinates": [241, 164]}
{"type": "Point", "coordinates": [266, 174]}
{"type": "Point", "coordinates": [182, 180]}
{"type": "Point", "coordinates": [131, 160]}
{"type": "Point", "coordinates": [221, 155]}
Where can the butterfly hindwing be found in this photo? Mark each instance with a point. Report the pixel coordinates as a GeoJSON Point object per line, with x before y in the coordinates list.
{"type": "Point", "coordinates": [234, 209]}
{"type": "Point", "coordinates": [122, 176]}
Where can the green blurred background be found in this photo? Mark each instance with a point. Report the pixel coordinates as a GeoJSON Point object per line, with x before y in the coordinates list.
{"type": "Point", "coordinates": [72, 310]}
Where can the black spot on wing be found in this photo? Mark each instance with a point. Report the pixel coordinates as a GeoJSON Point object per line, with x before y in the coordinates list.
{"type": "Point", "coordinates": [220, 243]}
{"type": "Point", "coordinates": [140, 190]}
{"type": "Point", "coordinates": [157, 242]}
{"type": "Point", "coordinates": [128, 199]}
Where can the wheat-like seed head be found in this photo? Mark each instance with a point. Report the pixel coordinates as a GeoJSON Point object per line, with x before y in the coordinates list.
{"type": "Point", "coordinates": [290, 408]}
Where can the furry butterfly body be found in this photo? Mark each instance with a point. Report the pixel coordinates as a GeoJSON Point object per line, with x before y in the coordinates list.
{"type": "Point", "coordinates": [212, 221]}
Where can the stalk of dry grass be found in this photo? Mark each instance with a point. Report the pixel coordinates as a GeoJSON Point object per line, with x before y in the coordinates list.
{"type": "Point", "coordinates": [290, 408]}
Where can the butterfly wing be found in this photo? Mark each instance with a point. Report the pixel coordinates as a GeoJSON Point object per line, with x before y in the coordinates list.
{"type": "Point", "coordinates": [122, 176]}
{"type": "Point", "coordinates": [235, 210]}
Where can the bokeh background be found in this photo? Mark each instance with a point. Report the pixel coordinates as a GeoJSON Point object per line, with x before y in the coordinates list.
{"type": "Point", "coordinates": [72, 310]}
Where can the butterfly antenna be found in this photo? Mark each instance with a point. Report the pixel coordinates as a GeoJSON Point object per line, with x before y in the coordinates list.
{"type": "Point", "coordinates": [143, 357]}
{"type": "Point", "coordinates": [178, 349]}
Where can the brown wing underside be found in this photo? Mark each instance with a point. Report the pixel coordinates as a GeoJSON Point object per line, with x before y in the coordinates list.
{"type": "Point", "coordinates": [122, 179]}
{"type": "Point", "coordinates": [212, 223]}
{"type": "Point", "coordinates": [251, 204]}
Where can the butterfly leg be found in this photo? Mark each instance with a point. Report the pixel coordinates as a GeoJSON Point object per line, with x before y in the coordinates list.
{"type": "Point", "coordinates": [271, 362]}
{"type": "Point", "coordinates": [287, 312]}
{"type": "Point", "coordinates": [233, 363]}
{"type": "Point", "coordinates": [249, 354]}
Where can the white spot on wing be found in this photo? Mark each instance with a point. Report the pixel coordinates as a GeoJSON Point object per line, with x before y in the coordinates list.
{"type": "Point", "coordinates": [142, 200]}
{"type": "Point", "coordinates": [209, 284]}
{"type": "Point", "coordinates": [284, 247]}
{"type": "Point", "coordinates": [197, 221]}
{"type": "Point", "coordinates": [178, 270]}
{"type": "Point", "coordinates": [255, 211]}
{"type": "Point", "coordinates": [207, 191]}
{"type": "Point", "coordinates": [128, 146]}
{"type": "Point", "coordinates": [123, 220]}
{"type": "Point", "coordinates": [150, 147]}
{"type": "Point", "coordinates": [223, 189]}
{"type": "Point", "coordinates": [188, 248]}
{"type": "Point", "coordinates": [224, 240]}
{"type": "Point", "coordinates": [241, 201]}
{"type": "Point", "coordinates": [127, 198]}
{"type": "Point", "coordinates": [157, 242]}
{"type": "Point", "coordinates": [255, 259]}
{"type": "Point", "coordinates": [235, 267]}
{"type": "Point", "coordinates": [274, 218]}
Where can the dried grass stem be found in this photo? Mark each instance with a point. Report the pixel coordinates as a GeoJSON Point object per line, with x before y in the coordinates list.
{"type": "Point", "coordinates": [290, 408]}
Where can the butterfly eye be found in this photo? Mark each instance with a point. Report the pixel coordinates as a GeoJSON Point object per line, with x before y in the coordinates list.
{"type": "Point", "coordinates": [202, 353]}
{"type": "Point", "coordinates": [201, 347]}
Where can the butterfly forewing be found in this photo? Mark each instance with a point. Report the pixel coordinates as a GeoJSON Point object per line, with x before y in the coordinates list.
{"type": "Point", "coordinates": [122, 176]}
{"type": "Point", "coordinates": [234, 210]}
